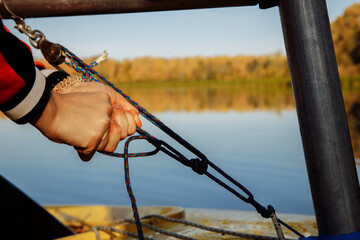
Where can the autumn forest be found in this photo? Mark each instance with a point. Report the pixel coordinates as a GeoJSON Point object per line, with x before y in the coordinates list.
{"type": "Point", "coordinates": [241, 68]}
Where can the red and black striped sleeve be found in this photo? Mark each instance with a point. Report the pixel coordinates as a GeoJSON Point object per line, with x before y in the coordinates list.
{"type": "Point", "coordinates": [23, 89]}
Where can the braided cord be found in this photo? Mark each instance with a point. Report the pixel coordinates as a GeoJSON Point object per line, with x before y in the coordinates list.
{"type": "Point", "coordinates": [199, 164]}
{"type": "Point", "coordinates": [176, 235]}
{"type": "Point", "coordinates": [211, 229]}
{"type": "Point", "coordinates": [113, 229]}
{"type": "Point", "coordinates": [128, 185]}
{"type": "Point", "coordinates": [162, 231]}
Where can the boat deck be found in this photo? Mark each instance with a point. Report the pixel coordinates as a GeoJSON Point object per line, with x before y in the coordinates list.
{"type": "Point", "coordinates": [83, 218]}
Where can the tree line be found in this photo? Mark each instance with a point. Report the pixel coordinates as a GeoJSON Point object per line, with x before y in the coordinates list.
{"type": "Point", "coordinates": [191, 69]}
{"type": "Point", "coordinates": [346, 37]}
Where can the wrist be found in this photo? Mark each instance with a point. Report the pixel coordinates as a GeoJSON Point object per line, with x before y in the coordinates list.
{"type": "Point", "coordinates": [45, 122]}
{"type": "Point", "coordinates": [46, 118]}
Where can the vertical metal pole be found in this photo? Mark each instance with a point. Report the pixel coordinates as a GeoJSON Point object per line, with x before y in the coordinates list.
{"type": "Point", "coordinates": [322, 118]}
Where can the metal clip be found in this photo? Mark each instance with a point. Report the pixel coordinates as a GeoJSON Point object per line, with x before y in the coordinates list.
{"type": "Point", "coordinates": [51, 51]}
{"type": "Point", "coordinates": [35, 36]}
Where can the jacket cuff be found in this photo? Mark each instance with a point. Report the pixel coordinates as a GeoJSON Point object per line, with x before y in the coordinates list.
{"type": "Point", "coordinates": [53, 77]}
{"type": "Point", "coordinates": [33, 104]}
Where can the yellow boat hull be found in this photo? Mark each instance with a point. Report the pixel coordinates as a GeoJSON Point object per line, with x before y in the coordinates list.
{"type": "Point", "coordinates": [81, 219]}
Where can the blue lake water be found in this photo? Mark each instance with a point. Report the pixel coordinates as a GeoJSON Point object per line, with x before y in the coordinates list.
{"type": "Point", "coordinates": [261, 149]}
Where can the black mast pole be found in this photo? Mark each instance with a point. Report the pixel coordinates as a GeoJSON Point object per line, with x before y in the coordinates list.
{"type": "Point", "coordinates": [321, 113]}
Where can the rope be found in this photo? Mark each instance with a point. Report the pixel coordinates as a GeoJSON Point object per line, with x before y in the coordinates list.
{"type": "Point", "coordinates": [199, 164]}
{"type": "Point", "coordinates": [128, 185]}
{"type": "Point", "coordinates": [112, 229]}
{"type": "Point", "coordinates": [162, 231]}
{"type": "Point", "coordinates": [211, 229]}
{"type": "Point", "coordinates": [176, 235]}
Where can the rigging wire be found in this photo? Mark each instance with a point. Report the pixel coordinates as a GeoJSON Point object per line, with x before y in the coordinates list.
{"type": "Point", "coordinates": [56, 54]}
{"type": "Point", "coordinates": [198, 165]}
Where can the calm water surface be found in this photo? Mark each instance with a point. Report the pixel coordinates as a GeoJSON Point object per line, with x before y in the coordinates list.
{"type": "Point", "coordinates": [258, 146]}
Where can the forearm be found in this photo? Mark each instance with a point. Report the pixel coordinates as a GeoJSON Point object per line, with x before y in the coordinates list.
{"type": "Point", "coordinates": [23, 90]}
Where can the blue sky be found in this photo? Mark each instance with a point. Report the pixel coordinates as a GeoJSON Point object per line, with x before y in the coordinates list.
{"type": "Point", "coordinates": [207, 32]}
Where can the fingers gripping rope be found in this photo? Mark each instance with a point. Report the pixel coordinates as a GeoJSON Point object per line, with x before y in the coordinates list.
{"type": "Point", "coordinates": [199, 164]}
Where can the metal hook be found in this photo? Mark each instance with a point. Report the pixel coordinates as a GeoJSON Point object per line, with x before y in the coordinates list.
{"type": "Point", "coordinates": [35, 36]}
{"type": "Point", "coordinates": [11, 13]}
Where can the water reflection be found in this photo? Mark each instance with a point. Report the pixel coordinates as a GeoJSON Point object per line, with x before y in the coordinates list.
{"type": "Point", "coordinates": [238, 98]}
{"type": "Point", "coordinates": [224, 98]}
{"type": "Point", "coordinates": [215, 98]}
{"type": "Point", "coordinates": [250, 132]}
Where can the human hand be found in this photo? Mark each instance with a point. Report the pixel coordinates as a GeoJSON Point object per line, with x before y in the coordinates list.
{"type": "Point", "coordinates": [89, 120]}
{"type": "Point", "coordinates": [116, 98]}
{"type": "Point", "coordinates": [124, 113]}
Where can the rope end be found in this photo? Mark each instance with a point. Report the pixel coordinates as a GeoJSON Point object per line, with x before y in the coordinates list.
{"type": "Point", "coordinates": [102, 58]}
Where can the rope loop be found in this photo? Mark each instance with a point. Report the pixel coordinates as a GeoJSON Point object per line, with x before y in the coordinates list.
{"type": "Point", "coordinates": [198, 166]}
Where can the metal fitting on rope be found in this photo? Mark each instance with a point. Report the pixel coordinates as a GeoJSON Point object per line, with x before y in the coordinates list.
{"type": "Point", "coordinates": [260, 209]}
{"type": "Point", "coordinates": [52, 52]}
{"type": "Point", "coordinates": [198, 166]}
{"type": "Point", "coordinates": [35, 36]}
